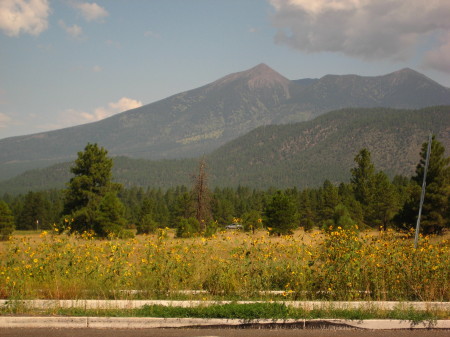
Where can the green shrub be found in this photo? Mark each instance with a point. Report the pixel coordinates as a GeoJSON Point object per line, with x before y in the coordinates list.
{"type": "Point", "coordinates": [188, 228]}
{"type": "Point", "coordinates": [147, 225]}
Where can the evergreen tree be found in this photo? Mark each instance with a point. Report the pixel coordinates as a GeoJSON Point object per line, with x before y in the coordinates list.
{"type": "Point", "coordinates": [349, 201]}
{"type": "Point", "coordinates": [6, 221]}
{"type": "Point", "coordinates": [187, 227]}
{"type": "Point", "coordinates": [437, 196]}
{"type": "Point", "coordinates": [147, 223]}
{"type": "Point", "coordinates": [385, 201]}
{"type": "Point", "coordinates": [307, 215]}
{"type": "Point", "coordinates": [91, 201]}
{"type": "Point", "coordinates": [34, 212]}
{"type": "Point", "coordinates": [162, 214]}
{"type": "Point", "coordinates": [281, 214]}
{"type": "Point", "coordinates": [329, 199]}
{"type": "Point", "coordinates": [182, 208]}
{"type": "Point", "coordinates": [341, 218]}
{"type": "Point", "coordinates": [132, 199]}
{"type": "Point", "coordinates": [242, 205]}
{"type": "Point", "coordinates": [109, 218]}
{"type": "Point", "coordinates": [252, 220]}
{"type": "Point", "coordinates": [362, 180]}
{"type": "Point", "coordinates": [373, 191]}
{"type": "Point", "coordinates": [223, 210]}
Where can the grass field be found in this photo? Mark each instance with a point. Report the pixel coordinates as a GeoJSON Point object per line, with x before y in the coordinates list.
{"type": "Point", "coordinates": [335, 265]}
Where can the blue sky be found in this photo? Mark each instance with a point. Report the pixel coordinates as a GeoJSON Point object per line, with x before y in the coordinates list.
{"type": "Point", "coordinates": [69, 62]}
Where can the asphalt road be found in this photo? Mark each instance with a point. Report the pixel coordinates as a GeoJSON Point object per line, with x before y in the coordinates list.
{"type": "Point", "coordinates": [12, 332]}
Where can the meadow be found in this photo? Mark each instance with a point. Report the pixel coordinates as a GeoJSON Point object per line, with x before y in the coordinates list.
{"type": "Point", "coordinates": [338, 264]}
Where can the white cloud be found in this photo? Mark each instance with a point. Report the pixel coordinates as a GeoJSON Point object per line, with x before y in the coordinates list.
{"type": "Point", "coordinates": [439, 58]}
{"type": "Point", "coordinates": [72, 117]}
{"type": "Point", "coordinates": [5, 120]}
{"type": "Point", "coordinates": [91, 11]}
{"type": "Point", "coordinates": [121, 105]}
{"type": "Point", "coordinates": [368, 29]}
{"type": "Point", "coordinates": [75, 31]}
{"type": "Point", "coordinates": [21, 16]}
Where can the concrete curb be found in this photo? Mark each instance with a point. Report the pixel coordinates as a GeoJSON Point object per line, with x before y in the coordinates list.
{"type": "Point", "coordinates": [135, 304]}
{"type": "Point", "coordinates": [155, 323]}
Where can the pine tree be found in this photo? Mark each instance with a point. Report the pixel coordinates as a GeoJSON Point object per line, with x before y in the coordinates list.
{"type": "Point", "coordinates": [182, 208]}
{"type": "Point", "coordinates": [385, 202]}
{"type": "Point", "coordinates": [435, 210]}
{"type": "Point", "coordinates": [281, 214]}
{"type": "Point", "coordinates": [6, 221]}
{"type": "Point", "coordinates": [91, 202]}
{"type": "Point", "coordinates": [353, 206]}
{"type": "Point", "coordinates": [374, 192]}
{"type": "Point", "coordinates": [363, 176]}
{"type": "Point", "coordinates": [147, 223]}
{"type": "Point", "coordinates": [34, 212]}
{"type": "Point", "coordinates": [329, 199]}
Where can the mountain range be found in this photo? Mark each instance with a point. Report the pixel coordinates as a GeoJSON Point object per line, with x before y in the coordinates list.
{"type": "Point", "coordinates": [201, 120]}
{"type": "Point", "coordinates": [300, 154]}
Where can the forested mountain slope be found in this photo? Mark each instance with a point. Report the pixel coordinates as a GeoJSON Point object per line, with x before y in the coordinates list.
{"type": "Point", "coordinates": [301, 154]}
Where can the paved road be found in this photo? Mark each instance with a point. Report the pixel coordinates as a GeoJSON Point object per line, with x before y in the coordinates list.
{"type": "Point", "coordinates": [12, 332]}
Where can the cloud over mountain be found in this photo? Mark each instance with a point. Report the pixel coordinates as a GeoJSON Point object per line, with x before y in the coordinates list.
{"type": "Point", "coordinates": [71, 117]}
{"type": "Point", "coordinates": [367, 29]}
{"type": "Point", "coordinates": [121, 105]}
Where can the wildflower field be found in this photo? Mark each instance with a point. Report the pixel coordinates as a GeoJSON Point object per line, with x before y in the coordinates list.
{"type": "Point", "coordinates": [333, 265]}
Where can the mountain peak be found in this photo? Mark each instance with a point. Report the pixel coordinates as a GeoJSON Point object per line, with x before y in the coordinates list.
{"type": "Point", "coordinates": [408, 74]}
{"type": "Point", "coordinates": [261, 68]}
{"type": "Point", "coordinates": [260, 76]}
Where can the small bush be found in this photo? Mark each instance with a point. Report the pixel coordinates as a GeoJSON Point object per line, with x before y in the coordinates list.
{"type": "Point", "coordinates": [147, 225]}
{"type": "Point", "coordinates": [188, 228]}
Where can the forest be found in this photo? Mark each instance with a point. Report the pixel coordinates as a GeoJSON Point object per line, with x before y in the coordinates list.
{"type": "Point", "coordinates": [369, 200]}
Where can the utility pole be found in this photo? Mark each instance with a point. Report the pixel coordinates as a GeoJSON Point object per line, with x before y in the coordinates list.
{"type": "Point", "coordinates": [422, 195]}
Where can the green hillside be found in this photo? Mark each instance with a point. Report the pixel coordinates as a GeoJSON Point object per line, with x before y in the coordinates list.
{"type": "Point", "coordinates": [305, 154]}
{"type": "Point", "coordinates": [301, 154]}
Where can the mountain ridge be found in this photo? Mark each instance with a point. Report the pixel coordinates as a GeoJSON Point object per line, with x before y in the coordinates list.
{"type": "Point", "coordinates": [198, 121]}
{"type": "Point", "coordinates": [299, 155]}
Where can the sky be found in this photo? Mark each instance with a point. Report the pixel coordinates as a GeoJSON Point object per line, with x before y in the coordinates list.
{"type": "Point", "coordinates": [70, 62]}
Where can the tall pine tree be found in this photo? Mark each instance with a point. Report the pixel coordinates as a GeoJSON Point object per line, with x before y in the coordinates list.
{"type": "Point", "coordinates": [6, 221]}
{"type": "Point", "coordinates": [91, 202]}
{"type": "Point", "coordinates": [373, 191]}
{"type": "Point", "coordinates": [435, 210]}
{"type": "Point", "coordinates": [281, 214]}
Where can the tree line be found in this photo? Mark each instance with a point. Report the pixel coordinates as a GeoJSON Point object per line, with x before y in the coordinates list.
{"type": "Point", "coordinates": [93, 202]}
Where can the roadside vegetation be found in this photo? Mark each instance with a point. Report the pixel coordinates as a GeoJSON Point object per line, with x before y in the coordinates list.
{"type": "Point", "coordinates": [338, 264]}
{"type": "Point", "coordinates": [248, 312]}
{"type": "Point", "coordinates": [347, 242]}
